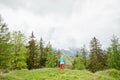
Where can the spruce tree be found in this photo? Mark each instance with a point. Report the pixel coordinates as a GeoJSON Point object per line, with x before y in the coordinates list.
{"type": "Point", "coordinates": [84, 55]}
{"type": "Point", "coordinates": [42, 54]}
{"type": "Point", "coordinates": [96, 57]}
{"type": "Point", "coordinates": [114, 56]}
{"type": "Point", "coordinates": [33, 54]}
{"type": "Point", "coordinates": [108, 57]}
{"type": "Point", "coordinates": [57, 57]}
{"type": "Point", "coordinates": [50, 57]}
{"type": "Point", "coordinates": [78, 62]}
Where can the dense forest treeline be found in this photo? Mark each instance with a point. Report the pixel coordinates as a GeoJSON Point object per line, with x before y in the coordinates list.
{"type": "Point", "coordinates": [17, 52]}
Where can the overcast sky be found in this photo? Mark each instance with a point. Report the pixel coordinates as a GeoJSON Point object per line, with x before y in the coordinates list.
{"type": "Point", "coordinates": [65, 23]}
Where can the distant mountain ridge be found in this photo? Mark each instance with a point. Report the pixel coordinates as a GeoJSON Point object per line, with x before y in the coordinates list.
{"type": "Point", "coordinates": [69, 51]}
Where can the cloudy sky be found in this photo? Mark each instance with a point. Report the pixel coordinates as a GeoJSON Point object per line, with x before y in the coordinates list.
{"type": "Point", "coordinates": [65, 23]}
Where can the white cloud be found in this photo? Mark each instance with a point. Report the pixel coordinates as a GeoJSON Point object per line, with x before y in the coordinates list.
{"type": "Point", "coordinates": [69, 23]}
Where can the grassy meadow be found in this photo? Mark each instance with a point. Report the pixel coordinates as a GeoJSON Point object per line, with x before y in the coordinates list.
{"type": "Point", "coordinates": [56, 74]}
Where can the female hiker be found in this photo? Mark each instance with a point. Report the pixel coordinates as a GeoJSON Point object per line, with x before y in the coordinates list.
{"type": "Point", "coordinates": [61, 60]}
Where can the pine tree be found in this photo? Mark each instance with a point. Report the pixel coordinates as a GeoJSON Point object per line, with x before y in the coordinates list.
{"type": "Point", "coordinates": [114, 56]}
{"type": "Point", "coordinates": [33, 54]}
{"type": "Point", "coordinates": [96, 57]}
{"type": "Point", "coordinates": [78, 62]}
{"type": "Point", "coordinates": [50, 57]}
{"type": "Point", "coordinates": [18, 51]}
{"type": "Point", "coordinates": [5, 51]}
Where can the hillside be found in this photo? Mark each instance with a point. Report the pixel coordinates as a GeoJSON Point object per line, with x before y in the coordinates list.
{"type": "Point", "coordinates": [55, 74]}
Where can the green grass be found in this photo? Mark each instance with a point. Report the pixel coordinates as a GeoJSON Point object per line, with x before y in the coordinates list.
{"type": "Point", "coordinates": [56, 74]}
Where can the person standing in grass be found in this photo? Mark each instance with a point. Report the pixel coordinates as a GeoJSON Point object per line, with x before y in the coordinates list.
{"type": "Point", "coordinates": [61, 60]}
